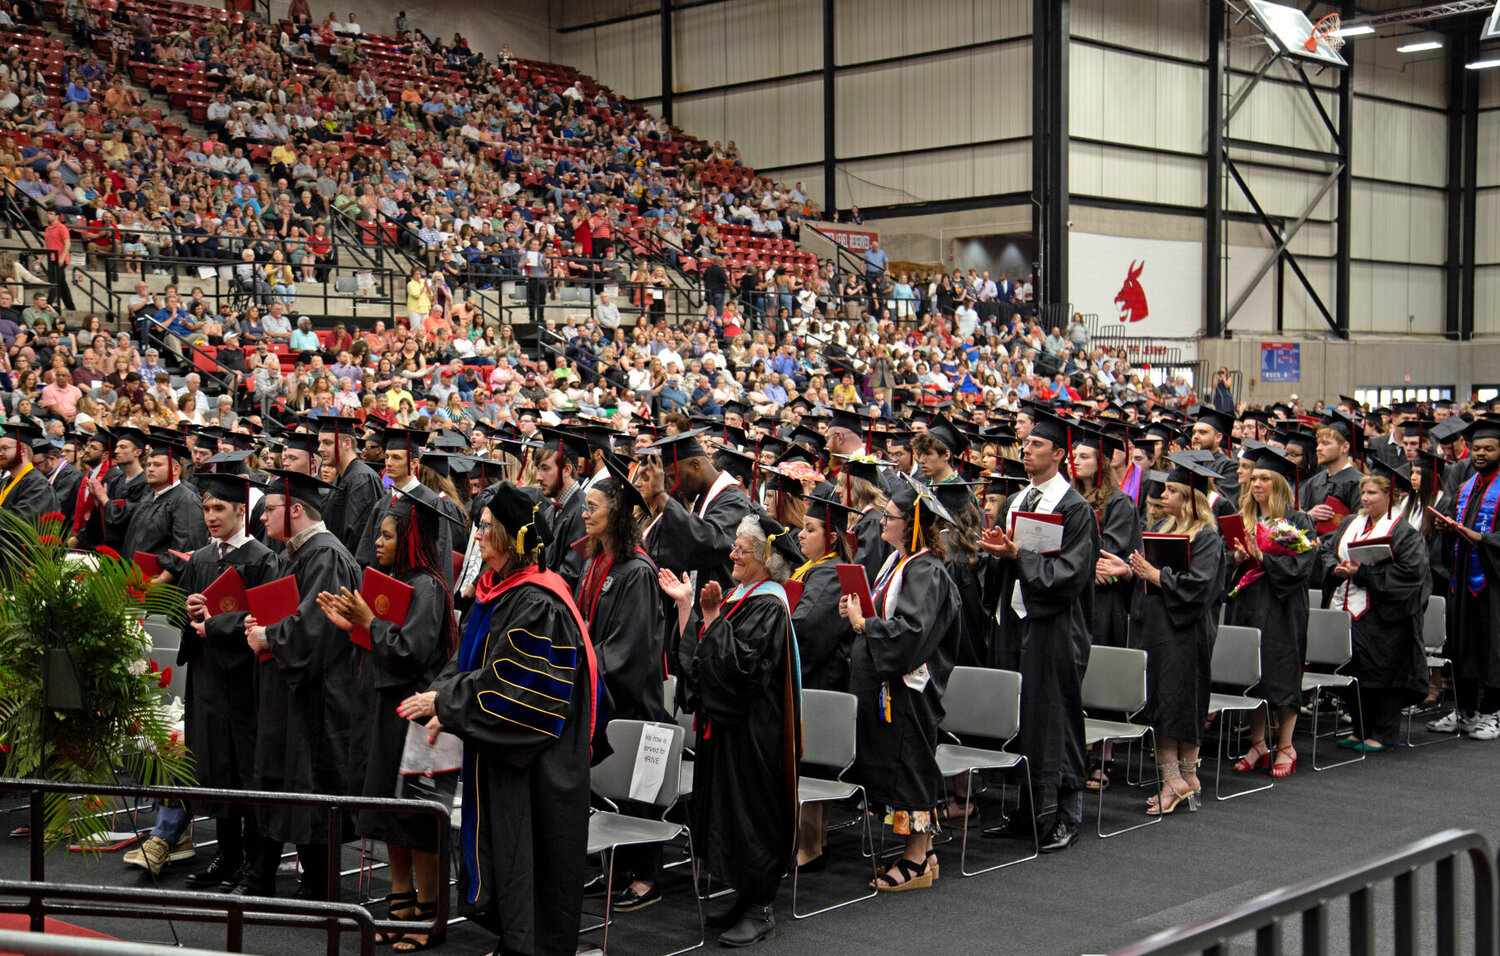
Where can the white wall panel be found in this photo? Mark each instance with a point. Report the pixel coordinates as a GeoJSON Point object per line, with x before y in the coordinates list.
{"type": "Point", "coordinates": [1405, 145]}
{"type": "Point", "coordinates": [1299, 312]}
{"type": "Point", "coordinates": [1489, 88]}
{"type": "Point", "coordinates": [1487, 307]}
{"type": "Point", "coordinates": [526, 28]}
{"type": "Point", "coordinates": [936, 101]}
{"type": "Point", "coordinates": [773, 125]}
{"type": "Point", "coordinates": [1280, 192]}
{"type": "Point", "coordinates": [1285, 115]}
{"type": "Point", "coordinates": [1487, 232]}
{"type": "Point", "coordinates": [1133, 99]}
{"type": "Point", "coordinates": [1489, 149]}
{"type": "Point", "coordinates": [1096, 170]}
{"type": "Point", "coordinates": [1420, 78]}
{"type": "Point", "coordinates": [623, 56]}
{"type": "Point", "coordinates": [950, 174]}
{"type": "Point", "coordinates": [875, 29]}
{"type": "Point", "coordinates": [1398, 224]}
{"type": "Point", "coordinates": [745, 40]}
{"type": "Point", "coordinates": [1173, 27]}
{"type": "Point", "coordinates": [1399, 299]}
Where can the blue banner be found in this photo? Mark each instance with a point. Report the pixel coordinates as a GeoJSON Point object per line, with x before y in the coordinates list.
{"type": "Point", "coordinates": [1280, 362]}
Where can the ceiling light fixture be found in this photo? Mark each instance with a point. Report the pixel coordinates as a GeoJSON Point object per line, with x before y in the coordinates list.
{"type": "Point", "coordinates": [1420, 46]}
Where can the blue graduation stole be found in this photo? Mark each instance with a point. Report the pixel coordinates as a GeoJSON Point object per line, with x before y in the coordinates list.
{"type": "Point", "coordinates": [1484, 523]}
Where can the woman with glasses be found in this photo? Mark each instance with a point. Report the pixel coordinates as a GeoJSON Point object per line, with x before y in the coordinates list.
{"type": "Point", "coordinates": [524, 830]}
{"type": "Point", "coordinates": [737, 656]}
{"type": "Point", "coordinates": [899, 666]}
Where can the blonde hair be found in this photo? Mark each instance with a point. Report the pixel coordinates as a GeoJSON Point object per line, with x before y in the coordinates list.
{"type": "Point", "coordinates": [1277, 505]}
{"type": "Point", "coordinates": [1197, 514]}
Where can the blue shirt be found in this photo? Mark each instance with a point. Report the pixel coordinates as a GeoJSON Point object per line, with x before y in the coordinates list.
{"type": "Point", "coordinates": [304, 340]}
{"type": "Point", "coordinates": [875, 260]}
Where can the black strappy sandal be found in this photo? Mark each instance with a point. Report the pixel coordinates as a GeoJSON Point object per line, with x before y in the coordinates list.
{"type": "Point", "coordinates": [394, 902]}
{"type": "Point", "coordinates": [914, 876]}
{"type": "Point", "coordinates": [426, 912]}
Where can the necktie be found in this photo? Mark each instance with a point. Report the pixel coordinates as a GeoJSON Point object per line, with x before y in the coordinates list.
{"type": "Point", "coordinates": [223, 549]}
{"type": "Point", "coordinates": [1029, 502]}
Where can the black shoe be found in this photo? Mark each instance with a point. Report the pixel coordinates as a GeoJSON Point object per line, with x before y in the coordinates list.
{"type": "Point", "coordinates": [725, 918]}
{"type": "Point", "coordinates": [1018, 824]}
{"type": "Point", "coordinates": [221, 870]}
{"type": "Point", "coordinates": [247, 887]}
{"type": "Point", "coordinates": [597, 888]}
{"type": "Point", "coordinates": [1060, 837]}
{"type": "Point", "coordinates": [234, 879]}
{"type": "Point", "coordinates": [817, 864]}
{"type": "Point", "coordinates": [757, 924]}
{"type": "Point", "coordinates": [628, 899]}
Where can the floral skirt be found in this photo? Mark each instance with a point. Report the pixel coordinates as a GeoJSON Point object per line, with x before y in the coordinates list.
{"type": "Point", "coordinates": [907, 822]}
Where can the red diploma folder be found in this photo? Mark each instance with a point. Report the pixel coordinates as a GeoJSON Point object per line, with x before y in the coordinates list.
{"type": "Point", "coordinates": [227, 594]}
{"type": "Point", "coordinates": [274, 602]}
{"type": "Point", "coordinates": [149, 563]}
{"type": "Point", "coordinates": [1232, 527]}
{"type": "Point", "coordinates": [793, 591]}
{"type": "Point", "coordinates": [458, 565]}
{"type": "Point", "coordinates": [852, 581]}
{"type": "Point", "coordinates": [1340, 512]}
{"type": "Point", "coordinates": [1037, 531]}
{"type": "Point", "coordinates": [388, 598]}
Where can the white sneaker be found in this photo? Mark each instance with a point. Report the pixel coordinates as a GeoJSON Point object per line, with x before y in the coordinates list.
{"type": "Point", "coordinates": [1487, 727]}
{"type": "Point", "coordinates": [1451, 724]}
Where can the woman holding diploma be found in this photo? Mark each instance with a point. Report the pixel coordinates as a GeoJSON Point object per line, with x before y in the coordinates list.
{"type": "Point", "coordinates": [1172, 620]}
{"type": "Point", "coordinates": [403, 656]}
{"type": "Point", "coordinates": [738, 659]}
{"type": "Point", "coordinates": [1377, 571]}
{"type": "Point", "coordinates": [898, 669]}
{"type": "Point", "coordinates": [1269, 591]}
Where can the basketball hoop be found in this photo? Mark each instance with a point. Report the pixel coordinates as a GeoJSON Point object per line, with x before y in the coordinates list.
{"type": "Point", "coordinates": [1326, 30]}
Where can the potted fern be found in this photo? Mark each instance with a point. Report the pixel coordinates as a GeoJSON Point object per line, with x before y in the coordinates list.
{"type": "Point", "coordinates": [80, 698]}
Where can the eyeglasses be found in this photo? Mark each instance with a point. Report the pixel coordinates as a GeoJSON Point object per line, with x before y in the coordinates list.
{"type": "Point", "coordinates": [889, 517]}
{"type": "Point", "coordinates": [742, 552]}
{"type": "Point", "coordinates": [589, 509]}
{"type": "Point", "coordinates": [482, 526]}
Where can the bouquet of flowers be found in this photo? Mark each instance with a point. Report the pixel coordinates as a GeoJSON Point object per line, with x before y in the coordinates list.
{"type": "Point", "coordinates": [67, 617]}
{"type": "Point", "coordinates": [1280, 537]}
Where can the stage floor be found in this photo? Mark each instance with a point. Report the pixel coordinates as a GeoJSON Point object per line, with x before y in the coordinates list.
{"type": "Point", "coordinates": [1100, 894]}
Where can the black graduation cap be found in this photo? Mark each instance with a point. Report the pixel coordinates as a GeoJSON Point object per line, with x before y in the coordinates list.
{"type": "Point", "coordinates": [298, 487]}
{"type": "Point", "coordinates": [865, 469]}
{"type": "Point", "coordinates": [1404, 408]}
{"type": "Point", "coordinates": [918, 500]}
{"type": "Point", "coordinates": [1399, 476]}
{"type": "Point", "coordinates": [103, 436]}
{"type": "Point", "coordinates": [1269, 459]}
{"type": "Point", "coordinates": [1350, 429]}
{"type": "Point", "coordinates": [1212, 417]}
{"type": "Point", "coordinates": [1010, 478]}
{"type": "Point", "coordinates": [852, 421]}
{"type": "Point", "coordinates": [440, 462]}
{"type": "Point", "coordinates": [772, 444]}
{"type": "Point", "coordinates": [242, 441]}
{"type": "Point", "coordinates": [800, 403]}
{"type": "Point", "coordinates": [212, 432]}
{"type": "Point", "coordinates": [1049, 427]}
{"type": "Point", "coordinates": [1445, 431]}
{"type": "Point", "coordinates": [426, 513]}
{"type": "Point", "coordinates": [447, 440]}
{"type": "Point", "coordinates": [1003, 435]}
{"type": "Point", "coordinates": [780, 540]}
{"type": "Point", "coordinates": [740, 464]}
{"type": "Point", "coordinates": [160, 445]}
{"type": "Point", "coordinates": [515, 507]}
{"type": "Point", "coordinates": [336, 425]}
{"type": "Point", "coordinates": [409, 440]}
{"type": "Point", "coordinates": [300, 441]}
{"type": "Point", "coordinates": [1353, 403]}
{"type": "Point", "coordinates": [1432, 466]}
{"type": "Point", "coordinates": [30, 436]}
{"type": "Point", "coordinates": [1157, 432]}
{"type": "Point", "coordinates": [1189, 469]}
{"type": "Point", "coordinates": [1284, 409]}
{"type": "Point", "coordinates": [226, 486]}
{"type": "Point", "coordinates": [619, 474]}
{"type": "Point", "coordinates": [734, 435]}
{"type": "Point", "coordinates": [227, 463]}
{"type": "Point", "coordinates": [799, 451]}
{"type": "Point", "coordinates": [735, 407]}
{"type": "Point", "coordinates": [939, 427]}
{"type": "Point", "coordinates": [133, 435]}
{"type": "Point", "coordinates": [1488, 427]}
{"type": "Point", "coordinates": [833, 515]}
{"type": "Point", "coordinates": [622, 443]}
{"type": "Point", "coordinates": [957, 495]}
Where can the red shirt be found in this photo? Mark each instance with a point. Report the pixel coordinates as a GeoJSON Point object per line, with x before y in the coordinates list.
{"type": "Point", "coordinates": [56, 238]}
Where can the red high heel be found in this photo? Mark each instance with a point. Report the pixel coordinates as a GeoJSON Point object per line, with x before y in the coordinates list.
{"type": "Point", "coordinates": [1280, 770]}
{"type": "Point", "coordinates": [1243, 765]}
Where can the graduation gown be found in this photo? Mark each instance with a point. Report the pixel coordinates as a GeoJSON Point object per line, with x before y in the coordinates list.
{"type": "Point", "coordinates": [824, 639]}
{"type": "Point", "coordinates": [403, 659]}
{"type": "Point", "coordinates": [314, 662]}
{"type": "Point", "coordinates": [526, 764]}
{"type": "Point", "coordinates": [355, 495]}
{"type": "Point", "coordinates": [1120, 535]}
{"type": "Point", "coordinates": [680, 540]}
{"type": "Point", "coordinates": [918, 625]}
{"type": "Point", "coordinates": [870, 551]}
{"type": "Point", "coordinates": [167, 522]}
{"type": "Point", "coordinates": [1388, 648]}
{"type": "Point", "coordinates": [1053, 639]}
{"type": "Point", "coordinates": [740, 677]}
{"type": "Point", "coordinates": [1320, 487]}
{"type": "Point", "coordinates": [626, 620]}
{"type": "Point", "coordinates": [1474, 592]}
{"type": "Point", "coordinates": [974, 635]}
{"type": "Point", "coordinates": [30, 497]}
{"type": "Point", "coordinates": [365, 555]}
{"type": "Point", "coordinates": [221, 696]}
{"type": "Point", "coordinates": [1175, 624]}
{"type": "Point", "coordinates": [564, 524]}
{"type": "Point", "coordinates": [1228, 482]}
{"type": "Point", "coordinates": [65, 485]}
{"type": "Point", "coordinates": [91, 535]}
{"type": "Point", "coordinates": [125, 493]}
{"type": "Point", "coordinates": [1277, 604]}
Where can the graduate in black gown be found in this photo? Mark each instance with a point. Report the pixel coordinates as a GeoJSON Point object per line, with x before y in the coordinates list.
{"type": "Point", "coordinates": [222, 720]}
{"type": "Point", "coordinates": [124, 488]}
{"type": "Point", "coordinates": [24, 491]}
{"type": "Point", "coordinates": [521, 694]}
{"type": "Point", "coordinates": [898, 671]}
{"type": "Point", "coordinates": [64, 478]}
{"type": "Point", "coordinates": [1386, 600]}
{"type": "Point", "coordinates": [313, 660]}
{"type": "Point", "coordinates": [1119, 535]}
{"type": "Point", "coordinates": [1173, 619]}
{"type": "Point", "coordinates": [860, 488]}
{"type": "Point", "coordinates": [403, 658]}
{"type": "Point", "coordinates": [1269, 592]}
{"type": "Point", "coordinates": [1047, 609]}
{"type": "Point", "coordinates": [358, 490]}
{"type": "Point", "coordinates": [403, 459]}
{"type": "Point", "coordinates": [740, 676]}
{"type": "Point", "coordinates": [1474, 595]}
{"type": "Point", "coordinates": [695, 509]}
{"type": "Point", "coordinates": [625, 612]}
{"type": "Point", "coordinates": [965, 565]}
{"type": "Point", "coordinates": [95, 464]}
{"type": "Point", "coordinates": [556, 473]}
{"type": "Point", "coordinates": [170, 518]}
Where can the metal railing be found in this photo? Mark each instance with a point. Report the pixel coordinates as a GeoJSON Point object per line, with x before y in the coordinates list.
{"type": "Point", "coordinates": [1309, 901]}
{"type": "Point", "coordinates": [237, 911]}
{"type": "Point", "coordinates": [39, 944]}
{"type": "Point", "coordinates": [845, 261]}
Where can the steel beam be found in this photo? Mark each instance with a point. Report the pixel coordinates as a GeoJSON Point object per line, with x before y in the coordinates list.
{"type": "Point", "coordinates": [830, 100]}
{"type": "Point", "coordinates": [667, 73]}
{"type": "Point", "coordinates": [1344, 200]}
{"type": "Point", "coordinates": [1282, 237]}
{"type": "Point", "coordinates": [1213, 242]}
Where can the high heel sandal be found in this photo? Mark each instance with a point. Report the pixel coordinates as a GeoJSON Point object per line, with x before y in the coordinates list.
{"type": "Point", "coordinates": [913, 877]}
{"type": "Point", "coordinates": [1167, 801]}
{"type": "Point", "coordinates": [1279, 770]}
{"type": "Point", "coordinates": [426, 912]}
{"type": "Point", "coordinates": [1245, 764]}
{"type": "Point", "coordinates": [932, 864]}
{"type": "Point", "coordinates": [396, 902]}
{"type": "Point", "coordinates": [1192, 768]}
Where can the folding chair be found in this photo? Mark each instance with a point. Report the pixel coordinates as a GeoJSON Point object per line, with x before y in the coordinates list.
{"type": "Point", "coordinates": [981, 702]}
{"type": "Point", "coordinates": [608, 830]}
{"type": "Point", "coordinates": [1330, 646]}
{"type": "Point", "coordinates": [828, 719]}
{"type": "Point", "coordinates": [1115, 681]}
{"type": "Point", "coordinates": [1314, 597]}
{"type": "Point", "coordinates": [1236, 663]}
{"type": "Point", "coordinates": [1434, 635]}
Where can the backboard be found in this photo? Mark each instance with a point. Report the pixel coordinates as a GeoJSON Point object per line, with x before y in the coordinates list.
{"type": "Point", "coordinates": [1287, 29]}
{"type": "Point", "coordinates": [1492, 29]}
